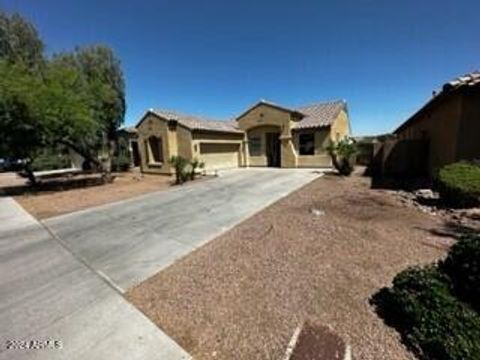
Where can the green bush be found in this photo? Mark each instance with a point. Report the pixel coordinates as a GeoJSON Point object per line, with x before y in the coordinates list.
{"type": "Point", "coordinates": [432, 322]}
{"type": "Point", "coordinates": [180, 165]}
{"type": "Point", "coordinates": [459, 184]}
{"type": "Point", "coordinates": [195, 164]}
{"type": "Point", "coordinates": [343, 155]}
{"type": "Point", "coordinates": [51, 160]}
{"type": "Point", "coordinates": [121, 163]}
{"type": "Point", "coordinates": [462, 265]}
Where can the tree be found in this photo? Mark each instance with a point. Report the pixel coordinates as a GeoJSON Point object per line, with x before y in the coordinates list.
{"type": "Point", "coordinates": [75, 100]}
{"type": "Point", "coordinates": [42, 111]}
{"type": "Point", "coordinates": [104, 77]}
{"type": "Point", "coordinates": [19, 41]}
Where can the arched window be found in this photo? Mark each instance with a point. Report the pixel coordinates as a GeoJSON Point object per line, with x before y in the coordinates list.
{"type": "Point", "coordinates": [155, 149]}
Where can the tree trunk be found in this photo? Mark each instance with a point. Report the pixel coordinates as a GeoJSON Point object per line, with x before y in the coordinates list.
{"type": "Point", "coordinates": [30, 174]}
{"type": "Point", "coordinates": [81, 152]}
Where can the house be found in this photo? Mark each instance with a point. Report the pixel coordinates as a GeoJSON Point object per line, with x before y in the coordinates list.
{"type": "Point", "coordinates": [129, 136]}
{"type": "Point", "coordinates": [445, 130]}
{"type": "Point", "coordinates": [266, 134]}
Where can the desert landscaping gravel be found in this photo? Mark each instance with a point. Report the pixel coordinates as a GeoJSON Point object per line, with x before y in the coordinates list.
{"type": "Point", "coordinates": [317, 255]}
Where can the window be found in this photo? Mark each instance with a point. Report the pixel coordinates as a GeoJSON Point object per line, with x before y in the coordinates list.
{"type": "Point", "coordinates": [306, 144]}
{"type": "Point", "coordinates": [155, 150]}
{"type": "Point", "coordinates": [255, 146]}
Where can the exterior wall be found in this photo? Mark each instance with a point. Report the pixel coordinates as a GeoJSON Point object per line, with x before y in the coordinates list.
{"type": "Point", "coordinates": [260, 131]}
{"type": "Point", "coordinates": [281, 121]}
{"type": "Point", "coordinates": [152, 125]}
{"type": "Point", "coordinates": [184, 142]}
{"type": "Point", "coordinates": [468, 144]}
{"type": "Point", "coordinates": [229, 145]}
{"type": "Point", "coordinates": [439, 127]}
{"type": "Point", "coordinates": [340, 127]}
{"type": "Point", "coordinates": [320, 157]}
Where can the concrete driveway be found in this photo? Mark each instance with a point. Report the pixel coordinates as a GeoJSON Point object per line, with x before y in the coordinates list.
{"type": "Point", "coordinates": [129, 241]}
{"type": "Point", "coordinates": [48, 294]}
{"type": "Point", "coordinates": [62, 279]}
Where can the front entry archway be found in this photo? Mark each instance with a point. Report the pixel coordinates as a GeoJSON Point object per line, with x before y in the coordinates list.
{"type": "Point", "coordinates": [272, 149]}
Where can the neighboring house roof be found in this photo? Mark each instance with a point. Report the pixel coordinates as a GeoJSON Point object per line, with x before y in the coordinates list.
{"type": "Point", "coordinates": [462, 82]}
{"type": "Point", "coordinates": [197, 123]}
{"type": "Point", "coordinates": [129, 129]}
{"type": "Point", "coordinates": [471, 79]}
{"type": "Point", "coordinates": [320, 114]}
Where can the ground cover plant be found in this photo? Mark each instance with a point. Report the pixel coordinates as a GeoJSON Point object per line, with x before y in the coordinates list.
{"type": "Point", "coordinates": [435, 308]}
{"type": "Point", "coordinates": [459, 184]}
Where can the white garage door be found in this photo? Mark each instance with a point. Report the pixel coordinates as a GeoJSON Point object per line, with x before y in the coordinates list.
{"type": "Point", "coordinates": [219, 156]}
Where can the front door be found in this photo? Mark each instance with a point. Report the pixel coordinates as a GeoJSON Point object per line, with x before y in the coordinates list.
{"type": "Point", "coordinates": [272, 147]}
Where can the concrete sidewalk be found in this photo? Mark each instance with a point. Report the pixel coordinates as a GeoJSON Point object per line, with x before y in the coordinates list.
{"type": "Point", "coordinates": [48, 294]}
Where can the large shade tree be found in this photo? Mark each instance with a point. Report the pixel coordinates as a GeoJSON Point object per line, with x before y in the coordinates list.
{"type": "Point", "coordinates": [75, 100]}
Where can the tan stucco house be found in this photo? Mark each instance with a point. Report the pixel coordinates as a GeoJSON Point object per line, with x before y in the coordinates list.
{"type": "Point", "coordinates": [446, 129]}
{"type": "Point", "coordinates": [266, 134]}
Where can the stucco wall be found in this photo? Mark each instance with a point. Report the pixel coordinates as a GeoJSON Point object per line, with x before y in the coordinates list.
{"type": "Point", "coordinates": [340, 127]}
{"type": "Point", "coordinates": [468, 144]}
{"type": "Point", "coordinates": [264, 116]}
{"type": "Point", "coordinates": [152, 125]}
{"type": "Point", "coordinates": [439, 126]}
{"type": "Point", "coordinates": [320, 157]}
{"type": "Point", "coordinates": [260, 131]}
{"type": "Point", "coordinates": [184, 142]}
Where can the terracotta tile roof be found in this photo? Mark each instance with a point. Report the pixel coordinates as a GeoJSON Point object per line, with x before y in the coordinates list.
{"type": "Point", "coordinates": [470, 79]}
{"type": "Point", "coordinates": [320, 114]}
{"type": "Point", "coordinates": [198, 123]}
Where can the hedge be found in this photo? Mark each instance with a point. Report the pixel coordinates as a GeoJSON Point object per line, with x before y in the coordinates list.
{"type": "Point", "coordinates": [432, 322]}
{"type": "Point", "coordinates": [459, 184]}
{"type": "Point", "coordinates": [462, 265]}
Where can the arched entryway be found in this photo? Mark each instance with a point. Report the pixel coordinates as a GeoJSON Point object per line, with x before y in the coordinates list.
{"type": "Point", "coordinates": [272, 148]}
{"type": "Point", "coordinates": [264, 146]}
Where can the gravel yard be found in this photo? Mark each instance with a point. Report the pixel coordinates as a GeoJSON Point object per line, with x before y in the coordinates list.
{"type": "Point", "coordinates": [45, 204]}
{"type": "Point", "coordinates": [242, 295]}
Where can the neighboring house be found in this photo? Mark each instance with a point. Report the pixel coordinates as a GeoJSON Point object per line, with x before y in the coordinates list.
{"type": "Point", "coordinates": [130, 136]}
{"type": "Point", "coordinates": [445, 130]}
{"type": "Point", "coordinates": [266, 134]}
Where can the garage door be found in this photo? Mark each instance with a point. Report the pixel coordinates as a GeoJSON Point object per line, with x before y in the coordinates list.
{"type": "Point", "coordinates": [219, 156]}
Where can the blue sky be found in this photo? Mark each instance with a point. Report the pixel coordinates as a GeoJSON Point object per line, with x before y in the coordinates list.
{"type": "Point", "coordinates": [216, 57]}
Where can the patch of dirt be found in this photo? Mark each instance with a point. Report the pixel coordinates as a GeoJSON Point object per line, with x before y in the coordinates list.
{"type": "Point", "coordinates": [242, 295]}
{"type": "Point", "coordinates": [317, 342]}
{"type": "Point", "coordinates": [126, 185]}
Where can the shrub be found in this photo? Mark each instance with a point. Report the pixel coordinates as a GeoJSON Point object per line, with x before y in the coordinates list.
{"type": "Point", "coordinates": [121, 163]}
{"type": "Point", "coordinates": [343, 155]}
{"type": "Point", "coordinates": [195, 163]}
{"type": "Point", "coordinates": [463, 267]}
{"type": "Point", "coordinates": [180, 165]}
{"type": "Point", "coordinates": [432, 322]}
{"type": "Point", "coordinates": [51, 160]}
{"type": "Point", "coordinates": [459, 184]}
